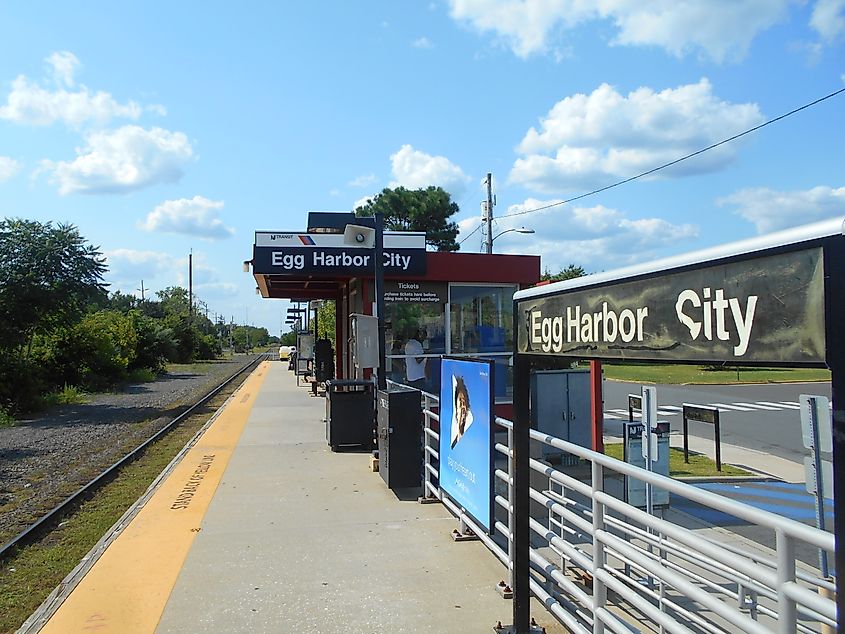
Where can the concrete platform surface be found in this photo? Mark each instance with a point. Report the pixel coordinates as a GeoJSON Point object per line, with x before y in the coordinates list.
{"type": "Point", "coordinates": [300, 539]}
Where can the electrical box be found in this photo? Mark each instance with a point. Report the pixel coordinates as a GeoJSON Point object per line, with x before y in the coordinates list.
{"type": "Point", "coordinates": [350, 415]}
{"type": "Point", "coordinates": [560, 407]}
{"type": "Point", "coordinates": [364, 340]}
{"type": "Point", "coordinates": [400, 452]}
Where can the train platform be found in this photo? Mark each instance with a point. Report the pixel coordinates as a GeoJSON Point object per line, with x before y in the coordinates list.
{"type": "Point", "coordinates": [258, 527]}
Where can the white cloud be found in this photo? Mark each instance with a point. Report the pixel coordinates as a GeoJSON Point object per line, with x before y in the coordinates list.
{"type": "Point", "coordinates": [363, 201]}
{"type": "Point", "coordinates": [127, 267]}
{"type": "Point", "coordinates": [197, 216]}
{"type": "Point", "coordinates": [590, 140]}
{"type": "Point", "coordinates": [31, 103]}
{"type": "Point", "coordinates": [422, 42]}
{"type": "Point", "coordinates": [9, 167]}
{"type": "Point", "coordinates": [218, 289]}
{"type": "Point", "coordinates": [64, 64]}
{"type": "Point", "coordinates": [771, 210]}
{"type": "Point", "coordinates": [413, 169]}
{"type": "Point", "coordinates": [364, 180]}
{"type": "Point", "coordinates": [718, 29]}
{"type": "Point", "coordinates": [828, 19]}
{"type": "Point", "coordinates": [597, 238]}
{"type": "Point", "coordinates": [123, 160]}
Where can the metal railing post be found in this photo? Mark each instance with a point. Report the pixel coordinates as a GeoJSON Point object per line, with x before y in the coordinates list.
{"type": "Point", "coordinates": [599, 557]}
{"type": "Point", "coordinates": [510, 506]}
{"type": "Point", "coordinates": [787, 612]}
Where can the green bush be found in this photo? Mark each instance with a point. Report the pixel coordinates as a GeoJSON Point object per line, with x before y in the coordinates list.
{"type": "Point", "coordinates": [95, 353]}
{"type": "Point", "coordinates": [6, 419]}
{"type": "Point", "coordinates": [155, 346]}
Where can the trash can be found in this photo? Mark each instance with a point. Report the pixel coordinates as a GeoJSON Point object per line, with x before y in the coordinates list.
{"type": "Point", "coordinates": [350, 413]}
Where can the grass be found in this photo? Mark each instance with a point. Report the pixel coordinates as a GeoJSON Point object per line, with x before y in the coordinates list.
{"type": "Point", "coordinates": [699, 465]}
{"type": "Point", "coordinates": [69, 395]}
{"type": "Point", "coordinates": [32, 573]}
{"type": "Point", "coordinates": [6, 419]}
{"type": "Point", "coordinates": [686, 374]}
{"type": "Point", "coordinates": [142, 375]}
{"type": "Point", "coordinates": [197, 367]}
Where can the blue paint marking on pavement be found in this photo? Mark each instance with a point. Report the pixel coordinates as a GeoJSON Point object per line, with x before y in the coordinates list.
{"type": "Point", "coordinates": [711, 516]}
{"type": "Point", "coordinates": [795, 493]}
{"type": "Point", "coordinates": [781, 498]}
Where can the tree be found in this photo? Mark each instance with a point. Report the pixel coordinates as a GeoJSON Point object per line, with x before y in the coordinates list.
{"type": "Point", "coordinates": [326, 321]}
{"type": "Point", "coordinates": [122, 302]}
{"type": "Point", "coordinates": [570, 272]}
{"type": "Point", "coordinates": [48, 276]}
{"type": "Point", "coordinates": [426, 210]}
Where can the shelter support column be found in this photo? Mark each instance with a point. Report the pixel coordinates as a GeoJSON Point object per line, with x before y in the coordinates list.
{"type": "Point", "coordinates": [597, 406]}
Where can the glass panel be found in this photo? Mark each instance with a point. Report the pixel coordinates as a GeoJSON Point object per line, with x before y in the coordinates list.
{"type": "Point", "coordinates": [415, 337]}
{"type": "Point", "coordinates": [481, 318]}
{"type": "Point", "coordinates": [397, 370]}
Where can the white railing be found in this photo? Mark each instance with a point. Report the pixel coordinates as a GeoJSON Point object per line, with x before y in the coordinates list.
{"type": "Point", "coordinates": [600, 564]}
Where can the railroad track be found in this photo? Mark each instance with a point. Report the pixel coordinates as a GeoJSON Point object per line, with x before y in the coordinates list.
{"type": "Point", "coordinates": [52, 518]}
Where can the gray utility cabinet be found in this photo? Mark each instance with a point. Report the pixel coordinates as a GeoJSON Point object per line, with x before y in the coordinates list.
{"type": "Point", "coordinates": [350, 415]}
{"type": "Point", "coordinates": [560, 407]}
{"type": "Point", "coordinates": [400, 453]}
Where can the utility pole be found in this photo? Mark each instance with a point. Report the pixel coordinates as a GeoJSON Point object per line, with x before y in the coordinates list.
{"type": "Point", "coordinates": [191, 284]}
{"type": "Point", "coordinates": [489, 211]}
{"type": "Point", "coordinates": [142, 290]}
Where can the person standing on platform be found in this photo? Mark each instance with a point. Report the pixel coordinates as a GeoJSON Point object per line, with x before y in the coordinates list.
{"type": "Point", "coordinates": [415, 361]}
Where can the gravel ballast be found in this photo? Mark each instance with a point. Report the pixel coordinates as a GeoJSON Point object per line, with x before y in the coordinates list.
{"type": "Point", "coordinates": [45, 458]}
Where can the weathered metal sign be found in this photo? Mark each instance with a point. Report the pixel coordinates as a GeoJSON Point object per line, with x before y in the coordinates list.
{"type": "Point", "coordinates": [763, 310]}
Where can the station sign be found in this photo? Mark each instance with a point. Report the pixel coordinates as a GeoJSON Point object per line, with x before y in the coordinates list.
{"type": "Point", "coordinates": [762, 310]}
{"type": "Point", "coordinates": [326, 255]}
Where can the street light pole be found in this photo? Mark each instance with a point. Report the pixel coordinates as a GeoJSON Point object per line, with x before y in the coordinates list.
{"type": "Point", "coordinates": [498, 235]}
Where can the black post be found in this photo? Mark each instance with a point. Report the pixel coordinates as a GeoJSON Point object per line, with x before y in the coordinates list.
{"type": "Point", "coordinates": [379, 282]}
{"type": "Point", "coordinates": [521, 492]}
{"type": "Point", "coordinates": [834, 272]}
{"type": "Point", "coordinates": [718, 441]}
{"type": "Point", "coordinates": [686, 437]}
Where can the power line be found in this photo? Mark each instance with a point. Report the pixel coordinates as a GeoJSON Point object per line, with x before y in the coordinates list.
{"type": "Point", "coordinates": [676, 161]}
{"type": "Point", "coordinates": [470, 234]}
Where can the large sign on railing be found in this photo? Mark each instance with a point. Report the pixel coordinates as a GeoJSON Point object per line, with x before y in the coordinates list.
{"type": "Point", "coordinates": [466, 436]}
{"type": "Point", "coordinates": [762, 310]}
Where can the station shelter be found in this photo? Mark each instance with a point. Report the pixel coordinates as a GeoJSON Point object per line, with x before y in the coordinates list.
{"type": "Point", "coordinates": [457, 304]}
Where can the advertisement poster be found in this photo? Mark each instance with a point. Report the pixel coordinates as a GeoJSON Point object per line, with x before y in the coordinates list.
{"type": "Point", "coordinates": [466, 437]}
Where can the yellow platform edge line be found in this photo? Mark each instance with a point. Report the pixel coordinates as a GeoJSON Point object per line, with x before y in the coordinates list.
{"type": "Point", "coordinates": [128, 588]}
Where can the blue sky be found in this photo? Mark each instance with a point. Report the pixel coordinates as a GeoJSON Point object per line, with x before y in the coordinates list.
{"type": "Point", "coordinates": [160, 128]}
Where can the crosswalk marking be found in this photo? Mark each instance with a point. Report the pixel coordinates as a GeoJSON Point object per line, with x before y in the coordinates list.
{"type": "Point", "coordinates": [758, 406]}
{"type": "Point", "coordinates": [675, 410]}
{"type": "Point", "coordinates": [737, 408]}
{"type": "Point", "coordinates": [781, 405]}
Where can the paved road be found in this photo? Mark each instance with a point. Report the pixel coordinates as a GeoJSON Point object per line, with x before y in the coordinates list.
{"type": "Point", "coordinates": [761, 417]}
